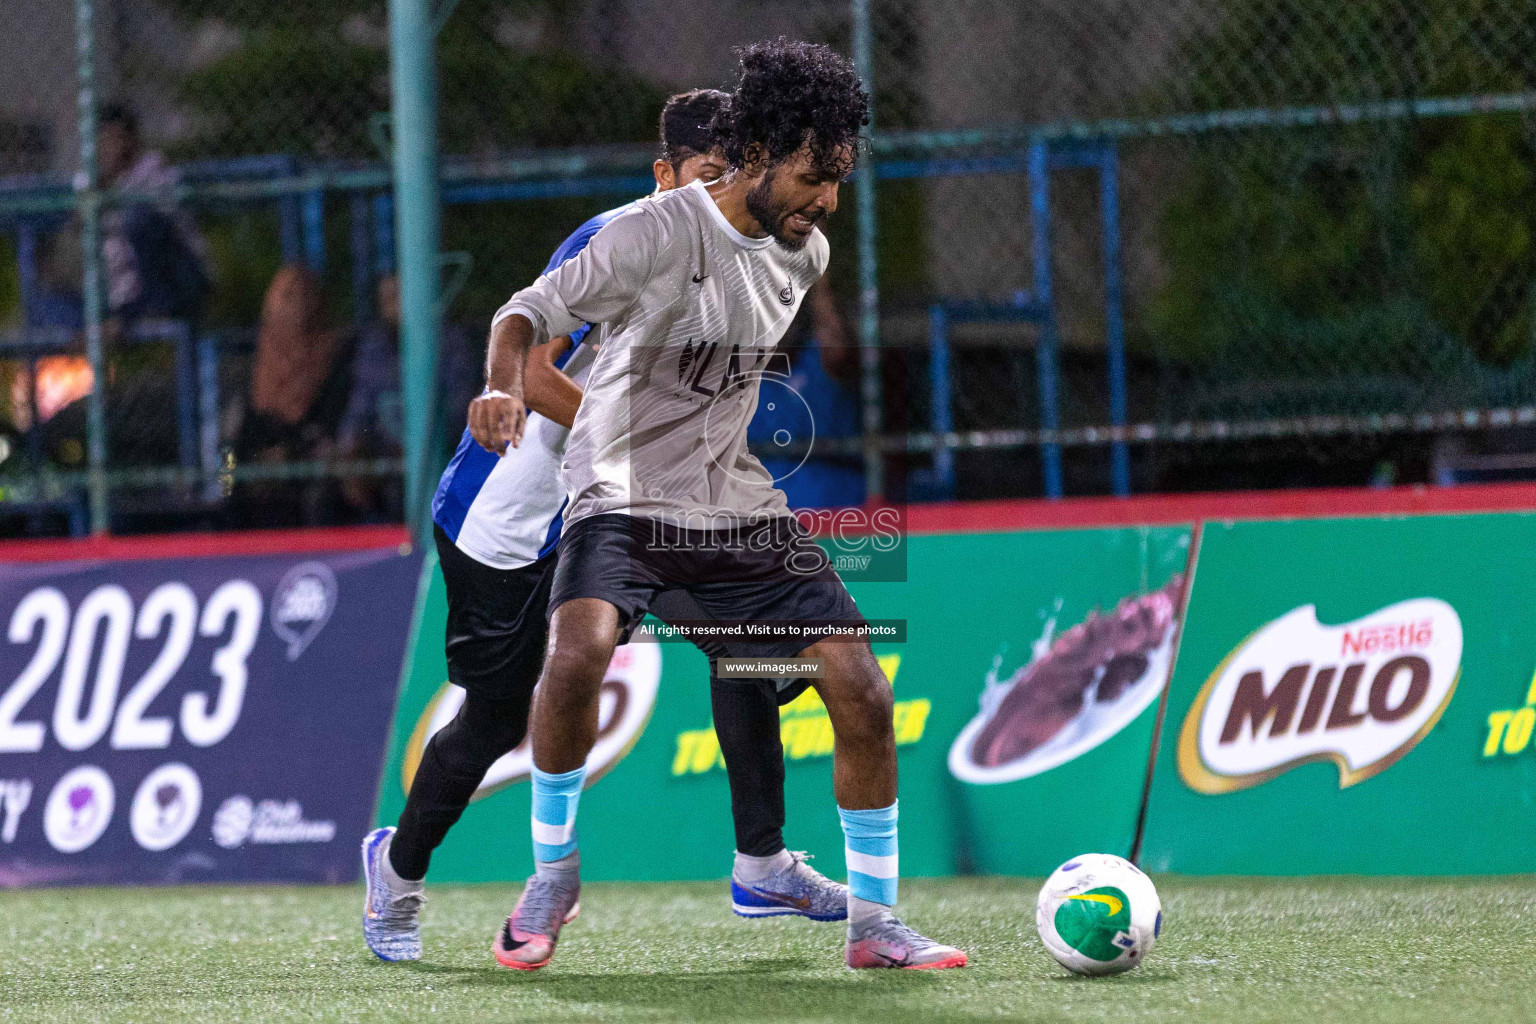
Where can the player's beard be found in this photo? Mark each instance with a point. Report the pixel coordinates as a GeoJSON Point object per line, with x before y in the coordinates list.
{"type": "Point", "coordinates": [772, 215]}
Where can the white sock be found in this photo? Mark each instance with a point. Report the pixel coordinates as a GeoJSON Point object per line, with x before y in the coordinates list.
{"type": "Point", "coordinates": [397, 885]}
{"type": "Point", "coordinates": [570, 862]}
{"type": "Point", "coordinates": [755, 869]}
{"type": "Point", "coordinates": [863, 912]}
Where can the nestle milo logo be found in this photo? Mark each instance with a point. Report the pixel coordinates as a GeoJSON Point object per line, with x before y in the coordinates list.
{"type": "Point", "coordinates": [1361, 695]}
{"type": "Point", "coordinates": [625, 703]}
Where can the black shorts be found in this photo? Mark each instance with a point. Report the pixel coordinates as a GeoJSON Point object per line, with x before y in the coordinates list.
{"type": "Point", "coordinates": [770, 573]}
{"type": "Point", "coordinates": [497, 621]}
{"type": "Point", "coordinates": [679, 606]}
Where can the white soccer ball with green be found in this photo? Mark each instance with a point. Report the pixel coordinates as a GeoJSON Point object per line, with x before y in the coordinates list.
{"type": "Point", "coordinates": [1099, 914]}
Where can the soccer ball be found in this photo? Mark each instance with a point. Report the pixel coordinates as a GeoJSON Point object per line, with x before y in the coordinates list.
{"type": "Point", "coordinates": [1099, 914]}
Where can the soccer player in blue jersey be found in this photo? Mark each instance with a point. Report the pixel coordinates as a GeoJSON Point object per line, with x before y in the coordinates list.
{"type": "Point", "coordinates": [497, 522]}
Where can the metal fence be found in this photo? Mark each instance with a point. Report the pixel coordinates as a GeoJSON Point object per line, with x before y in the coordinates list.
{"type": "Point", "coordinates": [1097, 245]}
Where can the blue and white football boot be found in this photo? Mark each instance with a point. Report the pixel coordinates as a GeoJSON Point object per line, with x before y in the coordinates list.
{"type": "Point", "coordinates": [798, 890]}
{"type": "Point", "coordinates": [392, 906]}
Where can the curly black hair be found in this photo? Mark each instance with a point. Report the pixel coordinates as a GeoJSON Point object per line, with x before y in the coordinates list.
{"type": "Point", "coordinates": [687, 124]}
{"type": "Point", "coordinates": [793, 94]}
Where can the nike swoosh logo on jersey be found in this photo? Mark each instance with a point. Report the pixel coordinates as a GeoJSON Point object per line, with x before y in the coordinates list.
{"type": "Point", "coordinates": [699, 278]}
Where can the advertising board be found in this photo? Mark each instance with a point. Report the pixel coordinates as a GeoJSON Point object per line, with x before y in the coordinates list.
{"type": "Point", "coordinates": [196, 719]}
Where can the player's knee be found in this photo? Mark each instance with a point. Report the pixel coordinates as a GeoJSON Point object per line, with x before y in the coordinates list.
{"type": "Point", "coordinates": [573, 675]}
{"type": "Point", "coordinates": [576, 665]}
{"type": "Point", "coordinates": [867, 709]}
{"type": "Point", "coordinates": [480, 734]}
{"type": "Point", "coordinates": [876, 708]}
{"type": "Point", "coordinates": [581, 641]}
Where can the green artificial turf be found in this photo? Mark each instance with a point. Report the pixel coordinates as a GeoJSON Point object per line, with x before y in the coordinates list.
{"type": "Point", "coordinates": [1233, 950]}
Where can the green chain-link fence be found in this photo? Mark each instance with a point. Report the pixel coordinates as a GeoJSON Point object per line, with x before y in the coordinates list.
{"type": "Point", "coordinates": [1324, 222]}
{"type": "Point", "coordinates": [1116, 245]}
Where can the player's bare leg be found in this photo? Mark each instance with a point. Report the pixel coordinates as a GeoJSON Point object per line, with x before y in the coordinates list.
{"type": "Point", "coordinates": [563, 727]}
{"type": "Point", "coordinates": [563, 723]}
{"type": "Point", "coordinates": [859, 703]}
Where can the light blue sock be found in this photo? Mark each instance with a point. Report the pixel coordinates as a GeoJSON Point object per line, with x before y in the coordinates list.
{"type": "Point", "coordinates": [554, 813]}
{"type": "Point", "coordinates": [869, 839]}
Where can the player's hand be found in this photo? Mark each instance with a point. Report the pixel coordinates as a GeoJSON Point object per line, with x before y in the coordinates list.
{"type": "Point", "coordinates": [496, 419]}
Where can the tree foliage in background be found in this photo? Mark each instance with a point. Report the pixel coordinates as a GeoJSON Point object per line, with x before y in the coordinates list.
{"type": "Point", "coordinates": [306, 77]}
{"type": "Point", "coordinates": [1378, 241]}
{"type": "Point", "coordinates": [543, 93]}
{"type": "Point", "coordinates": [286, 90]}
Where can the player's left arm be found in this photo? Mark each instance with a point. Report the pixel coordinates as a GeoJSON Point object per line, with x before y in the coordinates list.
{"type": "Point", "coordinates": [547, 390]}
{"type": "Point", "coordinates": [597, 285]}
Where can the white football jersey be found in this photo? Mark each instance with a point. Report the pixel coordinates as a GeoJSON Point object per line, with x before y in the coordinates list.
{"type": "Point", "coordinates": [690, 311]}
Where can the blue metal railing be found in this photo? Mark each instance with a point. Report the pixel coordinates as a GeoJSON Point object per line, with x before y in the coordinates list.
{"type": "Point", "coordinates": [1037, 306]}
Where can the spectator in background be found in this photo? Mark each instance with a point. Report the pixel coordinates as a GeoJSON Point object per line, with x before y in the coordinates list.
{"type": "Point", "coordinates": [156, 262]}
{"type": "Point", "coordinates": [300, 381]}
{"type": "Point", "coordinates": [373, 426]}
{"type": "Point", "coordinates": [823, 370]}
{"type": "Point", "coordinates": [156, 266]}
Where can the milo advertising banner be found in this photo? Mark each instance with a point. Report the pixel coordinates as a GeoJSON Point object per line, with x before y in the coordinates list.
{"type": "Point", "coordinates": [1071, 634]}
{"type": "Point", "coordinates": [1025, 695]}
{"type": "Point", "coordinates": [1353, 696]}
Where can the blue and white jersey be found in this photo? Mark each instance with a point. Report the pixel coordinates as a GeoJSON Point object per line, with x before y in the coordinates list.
{"type": "Point", "coordinates": [505, 511]}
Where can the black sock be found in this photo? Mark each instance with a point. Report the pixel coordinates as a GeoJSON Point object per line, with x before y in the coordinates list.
{"type": "Point", "coordinates": [747, 724]}
{"type": "Point", "coordinates": [451, 769]}
{"type": "Point", "coordinates": [437, 800]}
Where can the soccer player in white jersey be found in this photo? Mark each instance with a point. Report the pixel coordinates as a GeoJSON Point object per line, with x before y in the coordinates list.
{"type": "Point", "coordinates": [691, 291]}
{"type": "Point", "coordinates": [496, 521]}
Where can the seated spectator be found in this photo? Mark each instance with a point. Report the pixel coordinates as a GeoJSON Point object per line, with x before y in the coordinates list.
{"type": "Point", "coordinates": [300, 380]}
{"type": "Point", "coordinates": [822, 371]}
{"type": "Point", "coordinates": [54, 383]}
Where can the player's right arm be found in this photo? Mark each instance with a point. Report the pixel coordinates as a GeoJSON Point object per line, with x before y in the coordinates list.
{"type": "Point", "coordinates": [497, 418]}
{"type": "Point", "coordinates": [597, 285]}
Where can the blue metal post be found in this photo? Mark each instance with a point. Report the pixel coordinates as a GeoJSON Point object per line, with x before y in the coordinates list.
{"type": "Point", "coordinates": [186, 395]}
{"type": "Point", "coordinates": [384, 232]}
{"type": "Point", "coordinates": [92, 287]}
{"type": "Point", "coordinates": [208, 413]}
{"type": "Point", "coordinates": [292, 230]}
{"type": "Point", "coordinates": [360, 216]}
{"type": "Point", "coordinates": [314, 230]}
{"type": "Point", "coordinates": [1045, 349]}
{"type": "Point", "coordinates": [1109, 201]}
{"type": "Point", "coordinates": [943, 415]}
{"type": "Point", "coordinates": [26, 269]}
{"type": "Point", "coordinates": [869, 281]}
{"type": "Point", "coordinates": [418, 224]}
